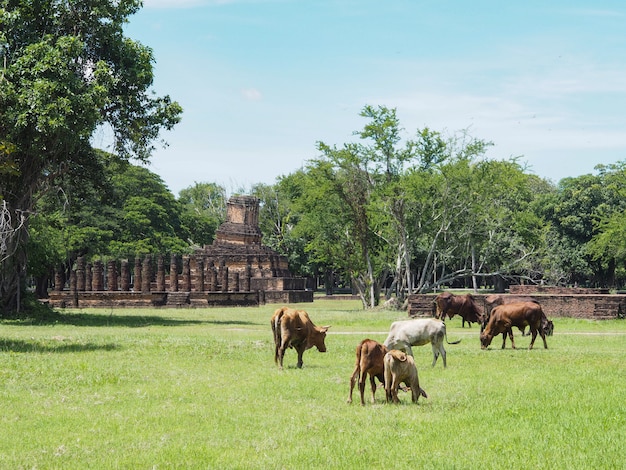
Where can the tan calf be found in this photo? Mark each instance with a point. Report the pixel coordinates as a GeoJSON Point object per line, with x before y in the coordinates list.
{"type": "Point", "coordinates": [400, 367]}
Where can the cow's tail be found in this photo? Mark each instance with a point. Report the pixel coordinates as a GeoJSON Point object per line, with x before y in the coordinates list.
{"type": "Point", "coordinates": [398, 355]}
{"type": "Point", "coordinates": [445, 332]}
{"type": "Point", "coordinates": [276, 331]}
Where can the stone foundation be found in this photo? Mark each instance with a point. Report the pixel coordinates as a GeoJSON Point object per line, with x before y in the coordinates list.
{"type": "Point", "coordinates": [106, 299]}
{"type": "Point", "coordinates": [575, 303]}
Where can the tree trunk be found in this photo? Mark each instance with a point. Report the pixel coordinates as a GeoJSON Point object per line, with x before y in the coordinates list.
{"type": "Point", "coordinates": [13, 239]}
{"type": "Point", "coordinates": [474, 279]}
{"type": "Point", "coordinates": [12, 279]}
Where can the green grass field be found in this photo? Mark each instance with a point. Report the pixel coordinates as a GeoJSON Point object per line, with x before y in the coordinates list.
{"type": "Point", "coordinates": [158, 388]}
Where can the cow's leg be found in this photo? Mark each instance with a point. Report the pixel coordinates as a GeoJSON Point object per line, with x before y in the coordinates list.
{"type": "Point", "coordinates": [416, 391]}
{"type": "Point", "coordinates": [300, 349]}
{"type": "Point", "coordinates": [362, 380]}
{"type": "Point", "coordinates": [511, 336]}
{"type": "Point", "coordinates": [435, 354]}
{"type": "Point", "coordinates": [387, 392]}
{"type": "Point", "coordinates": [353, 379]}
{"type": "Point", "coordinates": [503, 339]}
{"type": "Point", "coordinates": [437, 347]}
{"type": "Point", "coordinates": [373, 386]}
{"type": "Point", "coordinates": [281, 353]}
{"type": "Point", "coordinates": [533, 332]}
{"type": "Point", "coordinates": [443, 354]}
{"type": "Point", "coordinates": [276, 348]}
{"type": "Point", "coordinates": [394, 389]}
{"type": "Point", "coordinates": [387, 375]}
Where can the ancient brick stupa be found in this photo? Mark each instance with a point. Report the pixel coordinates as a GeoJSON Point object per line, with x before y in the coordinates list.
{"type": "Point", "coordinates": [238, 249]}
{"type": "Point", "coordinates": [235, 270]}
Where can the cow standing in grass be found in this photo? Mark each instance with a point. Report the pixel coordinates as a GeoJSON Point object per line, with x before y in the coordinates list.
{"type": "Point", "coordinates": [406, 333]}
{"type": "Point", "coordinates": [493, 300]}
{"type": "Point", "coordinates": [400, 367]}
{"type": "Point", "coordinates": [462, 305]}
{"type": "Point", "coordinates": [294, 329]}
{"type": "Point", "coordinates": [369, 361]}
{"type": "Point", "coordinates": [507, 316]}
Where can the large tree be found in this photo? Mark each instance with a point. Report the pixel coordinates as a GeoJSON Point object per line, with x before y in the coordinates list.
{"type": "Point", "coordinates": [67, 70]}
{"type": "Point", "coordinates": [203, 209]}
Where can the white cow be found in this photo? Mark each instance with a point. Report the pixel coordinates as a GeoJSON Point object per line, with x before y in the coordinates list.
{"type": "Point", "coordinates": [406, 333]}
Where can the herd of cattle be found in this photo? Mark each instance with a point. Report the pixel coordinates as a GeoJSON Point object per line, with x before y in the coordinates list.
{"type": "Point", "coordinates": [392, 362]}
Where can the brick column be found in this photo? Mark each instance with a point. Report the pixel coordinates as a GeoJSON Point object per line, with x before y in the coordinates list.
{"type": "Point", "coordinates": [137, 275]}
{"type": "Point", "coordinates": [146, 275]}
{"type": "Point", "coordinates": [173, 274]}
{"type": "Point", "coordinates": [160, 278]}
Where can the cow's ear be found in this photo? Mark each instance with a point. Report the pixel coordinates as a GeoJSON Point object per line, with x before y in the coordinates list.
{"type": "Point", "coordinates": [325, 328]}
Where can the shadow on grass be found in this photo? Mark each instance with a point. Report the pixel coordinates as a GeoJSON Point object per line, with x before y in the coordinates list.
{"type": "Point", "coordinates": [54, 346]}
{"type": "Point", "coordinates": [113, 320]}
{"type": "Point", "coordinates": [231, 322]}
{"type": "Point", "coordinates": [39, 314]}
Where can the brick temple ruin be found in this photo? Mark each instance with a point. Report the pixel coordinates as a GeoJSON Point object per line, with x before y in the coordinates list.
{"type": "Point", "coordinates": [236, 270]}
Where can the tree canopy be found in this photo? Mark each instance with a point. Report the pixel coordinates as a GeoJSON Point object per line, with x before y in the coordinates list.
{"type": "Point", "coordinates": [67, 69]}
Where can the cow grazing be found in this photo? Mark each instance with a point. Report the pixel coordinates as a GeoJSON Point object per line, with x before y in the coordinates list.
{"type": "Point", "coordinates": [462, 305]}
{"type": "Point", "coordinates": [492, 301]}
{"type": "Point", "coordinates": [518, 314]}
{"type": "Point", "coordinates": [294, 329]}
{"type": "Point", "coordinates": [369, 361]}
{"type": "Point", "coordinates": [406, 333]}
{"type": "Point", "coordinates": [400, 367]}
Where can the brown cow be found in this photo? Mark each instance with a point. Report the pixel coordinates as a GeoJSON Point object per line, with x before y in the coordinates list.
{"type": "Point", "coordinates": [519, 314]}
{"type": "Point", "coordinates": [493, 300]}
{"type": "Point", "coordinates": [400, 367]}
{"type": "Point", "coordinates": [369, 360]}
{"type": "Point", "coordinates": [462, 305]}
{"type": "Point", "coordinates": [294, 329]}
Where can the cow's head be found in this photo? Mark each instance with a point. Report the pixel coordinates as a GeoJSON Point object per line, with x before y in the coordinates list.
{"type": "Point", "coordinates": [548, 327]}
{"type": "Point", "coordinates": [317, 338]}
{"type": "Point", "coordinates": [485, 340]}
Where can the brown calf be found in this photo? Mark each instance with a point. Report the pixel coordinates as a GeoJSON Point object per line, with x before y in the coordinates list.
{"type": "Point", "coordinates": [369, 361]}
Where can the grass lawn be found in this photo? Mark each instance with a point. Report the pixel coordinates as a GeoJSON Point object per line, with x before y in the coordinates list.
{"type": "Point", "coordinates": [198, 388]}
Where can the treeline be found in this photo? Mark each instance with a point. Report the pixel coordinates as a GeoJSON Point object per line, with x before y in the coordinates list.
{"type": "Point", "coordinates": [117, 210]}
{"type": "Point", "coordinates": [400, 216]}
{"type": "Point", "coordinates": [386, 215]}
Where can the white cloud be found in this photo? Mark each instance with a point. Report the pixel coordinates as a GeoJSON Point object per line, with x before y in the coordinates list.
{"type": "Point", "coordinates": [251, 94]}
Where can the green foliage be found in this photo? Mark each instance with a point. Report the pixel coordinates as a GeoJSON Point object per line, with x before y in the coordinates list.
{"type": "Point", "coordinates": [584, 216]}
{"type": "Point", "coordinates": [68, 69]}
{"type": "Point", "coordinates": [203, 208]}
{"type": "Point", "coordinates": [118, 210]}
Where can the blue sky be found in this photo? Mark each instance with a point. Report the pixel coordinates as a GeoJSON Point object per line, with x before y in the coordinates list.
{"type": "Point", "coordinates": [261, 81]}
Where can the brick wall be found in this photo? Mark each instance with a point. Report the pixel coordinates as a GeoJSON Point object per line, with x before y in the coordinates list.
{"type": "Point", "coordinates": [591, 306]}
